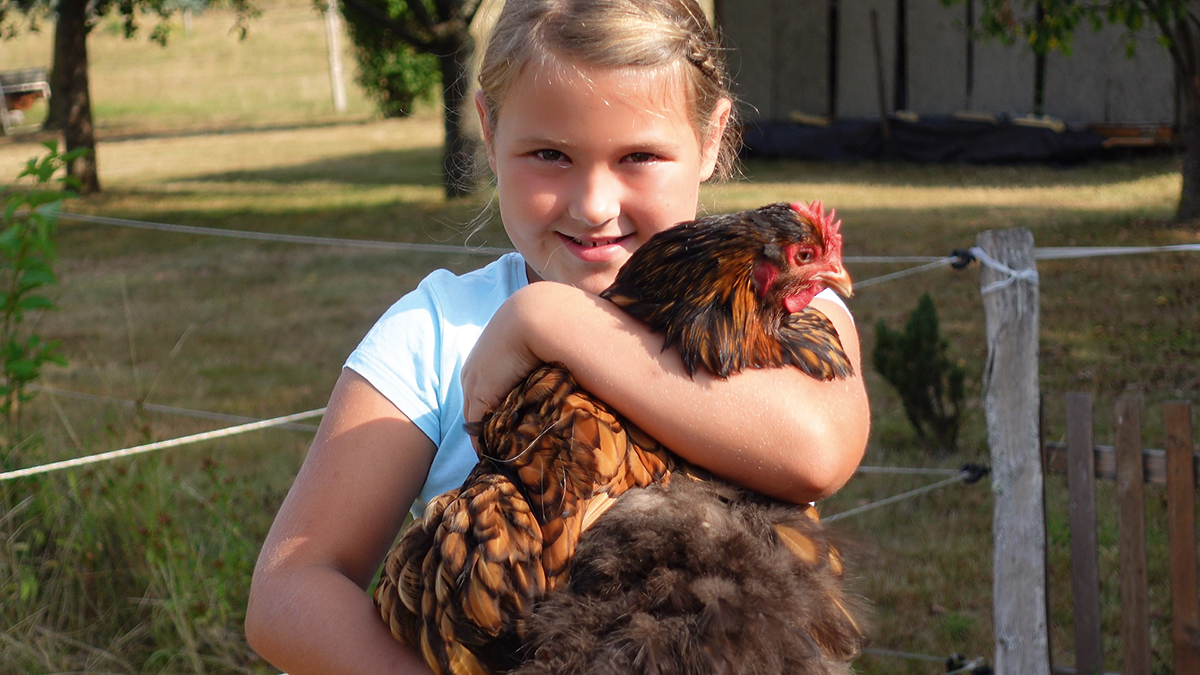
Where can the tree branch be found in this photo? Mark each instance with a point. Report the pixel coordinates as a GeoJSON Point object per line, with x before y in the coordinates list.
{"type": "Point", "coordinates": [446, 9]}
{"type": "Point", "coordinates": [468, 10]}
{"type": "Point", "coordinates": [417, 7]}
{"type": "Point", "coordinates": [1173, 47]}
{"type": "Point", "coordinates": [372, 12]}
{"type": "Point", "coordinates": [1185, 58]}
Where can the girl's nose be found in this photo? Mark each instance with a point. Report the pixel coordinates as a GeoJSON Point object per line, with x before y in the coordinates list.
{"type": "Point", "coordinates": [597, 198]}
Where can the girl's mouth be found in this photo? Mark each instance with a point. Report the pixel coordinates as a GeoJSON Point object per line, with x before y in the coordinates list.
{"type": "Point", "coordinates": [599, 250]}
{"type": "Point", "coordinates": [595, 243]}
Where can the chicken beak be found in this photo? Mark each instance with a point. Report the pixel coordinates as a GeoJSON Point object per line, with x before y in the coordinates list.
{"type": "Point", "coordinates": [839, 280]}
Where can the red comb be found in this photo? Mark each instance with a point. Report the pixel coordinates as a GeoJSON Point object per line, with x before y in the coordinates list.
{"type": "Point", "coordinates": [830, 229]}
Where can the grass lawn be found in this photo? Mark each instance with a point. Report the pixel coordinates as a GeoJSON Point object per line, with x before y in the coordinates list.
{"type": "Point", "coordinates": [143, 565]}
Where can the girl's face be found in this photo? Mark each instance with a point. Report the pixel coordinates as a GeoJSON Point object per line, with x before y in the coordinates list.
{"type": "Point", "coordinates": [591, 162]}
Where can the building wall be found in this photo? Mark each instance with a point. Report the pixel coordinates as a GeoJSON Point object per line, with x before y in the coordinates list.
{"type": "Point", "coordinates": [778, 55]}
{"type": "Point", "coordinates": [779, 60]}
{"type": "Point", "coordinates": [937, 57]}
{"type": "Point", "coordinates": [1099, 82]}
{"type": "Point", "coordinates": [857, 89]}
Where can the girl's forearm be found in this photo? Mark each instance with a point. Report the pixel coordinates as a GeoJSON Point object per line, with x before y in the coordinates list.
{"type": "Point", "coordinates": [776, 431]}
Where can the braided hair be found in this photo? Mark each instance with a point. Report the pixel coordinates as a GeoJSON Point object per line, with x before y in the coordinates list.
{"type": "Point", "coordinates": [656, 34]}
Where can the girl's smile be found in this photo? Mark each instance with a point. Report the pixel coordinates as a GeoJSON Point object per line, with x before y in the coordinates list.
{"type": "Point", "coordinates": [590, 162]}
{"type": "Point", "coordinates": [595, 250]}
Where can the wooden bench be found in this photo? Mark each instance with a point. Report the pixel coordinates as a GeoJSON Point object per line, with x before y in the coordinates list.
{"type": "Point", "coordinates": [19, 89]}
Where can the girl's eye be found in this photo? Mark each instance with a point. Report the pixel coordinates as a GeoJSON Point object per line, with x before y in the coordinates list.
{"type": "Point", "coordinates": [549, 155]}
{"type": "Point", "coordinates": [640, 157]}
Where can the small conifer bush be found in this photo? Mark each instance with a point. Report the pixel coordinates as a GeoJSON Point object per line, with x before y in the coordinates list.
{"type": "Point", "coordinates": [916, 363]}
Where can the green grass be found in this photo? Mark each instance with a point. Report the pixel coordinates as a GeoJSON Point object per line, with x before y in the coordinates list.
{"type": "Point", "coordinates": [143, 565]}
{"type": "Point", "coordinates": [209, 78]}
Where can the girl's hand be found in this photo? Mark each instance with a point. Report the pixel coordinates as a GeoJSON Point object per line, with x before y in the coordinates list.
{"type": "Point", "coordinates": [501, 359]}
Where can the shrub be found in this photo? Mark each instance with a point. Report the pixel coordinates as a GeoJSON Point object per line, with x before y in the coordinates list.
{"type": "Point", "coordinates": [26, 265]}
{"type": "Point", "coordinates": [916, 364]}
{"type": "Point", "coordinates": [392, 71]}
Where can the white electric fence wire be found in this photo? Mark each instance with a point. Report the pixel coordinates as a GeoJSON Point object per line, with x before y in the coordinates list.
{"type": "Point", "coordinates": [958, 478]}
{"type": "Point", "coordinates": [165, 409]}
{"type": "Point", "coordinates": [891, 258]}
{"type": "Point", "coordinates": [1045, 253]}
{"type": "Point", "coordinates": [914, 471]}
{"type": "Point", "coordinates": [940, 262]}
{"type": "Point", "coordinates": [968, 667]}
{"type": "Point", "coordinates": [1074, 252]}
{"type": "Point", "coordinates": [1028, 274]}
{"type": "Point", "coordinates": [286, 238]}
{"type": "Point", "coordinates": [903, 655]}
{"type": "Point", "coordinates": [160, 445]}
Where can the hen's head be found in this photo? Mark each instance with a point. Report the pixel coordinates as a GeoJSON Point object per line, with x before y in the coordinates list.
{"type": "Point", "coordinates": [725, 290]}
{"type": "Point", "coordinates": [800, 256]}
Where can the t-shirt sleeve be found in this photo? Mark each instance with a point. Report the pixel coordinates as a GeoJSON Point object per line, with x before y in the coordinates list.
{"type": "Point", "coordinates": [399, 357]}
{"type": "Point", "coordinates": [832, 296]}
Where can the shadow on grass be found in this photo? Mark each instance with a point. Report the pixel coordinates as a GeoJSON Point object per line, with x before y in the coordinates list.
{"type": "Point", "coordinates": [415, 166]}
{"type": "Point", "coordinates": [121, 134]}
{"type": "Point", "coordinates": [1120, 169]}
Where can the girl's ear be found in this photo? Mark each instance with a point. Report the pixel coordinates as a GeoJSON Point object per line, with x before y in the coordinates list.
{"type": "Point", "coordinates": [481, 108]}
{"type": "Point", "coordinates": [710, 149]}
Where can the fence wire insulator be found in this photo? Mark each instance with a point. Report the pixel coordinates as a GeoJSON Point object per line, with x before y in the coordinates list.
{"type": "Point", "coordinates": [962, 258]}
{"type": "Point", "coordinates": [975, 472]}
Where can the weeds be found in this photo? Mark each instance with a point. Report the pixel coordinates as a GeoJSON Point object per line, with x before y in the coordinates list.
{"type": "Point", "coordinates": [116, 569]}
{"type": "Point", "coordinates": [27, 251]}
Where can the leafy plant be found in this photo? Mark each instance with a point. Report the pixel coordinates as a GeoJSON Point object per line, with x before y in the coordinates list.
{"type": "Point", "coordinates": [916, 363]}
{"type": "Point", "coordinates": [27, 253]}
{"type": "Point", "coordinates": [394, 72]}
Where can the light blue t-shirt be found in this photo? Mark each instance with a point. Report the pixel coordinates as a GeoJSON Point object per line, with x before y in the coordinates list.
{"type": "Point", "coordinates": [414, 353]}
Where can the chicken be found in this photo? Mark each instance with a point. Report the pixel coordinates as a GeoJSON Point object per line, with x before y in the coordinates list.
{"type": "Point", "coordinates": [483, 581]}
{"type": "Point", "coordinates": [698, 577]}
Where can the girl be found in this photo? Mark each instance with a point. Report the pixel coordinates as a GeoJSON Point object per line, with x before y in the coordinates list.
{"type": "Point", "coordinates": [601, 119]}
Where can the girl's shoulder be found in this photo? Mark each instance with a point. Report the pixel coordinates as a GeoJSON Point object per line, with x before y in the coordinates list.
{"type": "Point", "coordinates": [445, 307]}
{"type": "Point", "coordinates": [831, 296]}
{"type": "Point", "coordinates": [486, 285]}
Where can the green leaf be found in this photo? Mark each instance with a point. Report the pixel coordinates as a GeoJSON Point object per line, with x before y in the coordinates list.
{"type": "Point", "coordinates": [29, 587]}
{"type": "Point", "coordinates": [34, 302]}
{"type": "Point", "coordinates": [21, 368]}
{"type": "Point", "coordinates": [37, 274]}
{"type": "Point", "coordinates": [10, 239]}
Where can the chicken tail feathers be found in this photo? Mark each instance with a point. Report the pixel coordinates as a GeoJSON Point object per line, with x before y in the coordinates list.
{"type": "Point", "coordinates": [695, 578]}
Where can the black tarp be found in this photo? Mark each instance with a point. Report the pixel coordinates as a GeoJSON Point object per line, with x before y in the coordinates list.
{"type": "Point", "coordinates": [941, 139]}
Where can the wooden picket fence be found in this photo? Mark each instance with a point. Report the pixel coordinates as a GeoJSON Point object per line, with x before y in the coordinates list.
{"type": "Point", "coordinates": [1130, 466]}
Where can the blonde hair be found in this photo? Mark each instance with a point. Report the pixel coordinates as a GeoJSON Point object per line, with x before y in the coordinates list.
{"type": "Point", "coordinates": [614, 34]}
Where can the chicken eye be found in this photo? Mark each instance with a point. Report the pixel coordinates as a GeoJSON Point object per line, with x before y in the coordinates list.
{"type": "Point", "coordinates": [804, 256]}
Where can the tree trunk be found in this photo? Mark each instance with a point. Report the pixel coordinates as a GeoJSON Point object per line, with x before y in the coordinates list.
{"type": "Point", "coordinates": [1185, 55]}
{"type": "Point", "coordinates": [56, 112]}
{"type": "Point", "coordinates": [71, 66]}
{"type": "Point", "coordinates": [1189, 198]}
{"type": "Point", "coordinates": [458, 149]}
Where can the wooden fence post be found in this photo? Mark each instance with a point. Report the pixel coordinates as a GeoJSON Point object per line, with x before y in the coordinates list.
{"type": "Point", "coordinates": [1181, 524]}
{"type": "Point", "coordinates": [1010, 399]}
{"type": "Point", "coordinates": [1085, 561]}
{"type": "Point", "coordinates": [1131, 531]}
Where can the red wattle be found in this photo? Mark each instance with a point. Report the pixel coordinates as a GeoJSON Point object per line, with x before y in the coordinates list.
{"type": "Point", "coordinates": [796, 303]}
